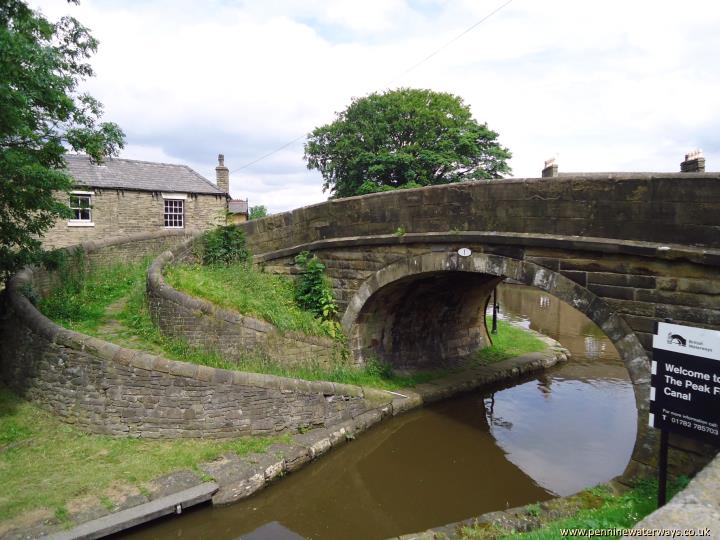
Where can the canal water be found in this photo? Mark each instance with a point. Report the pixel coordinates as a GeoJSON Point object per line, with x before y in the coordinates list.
{"type": "Point", "coordinates": [554, 434]}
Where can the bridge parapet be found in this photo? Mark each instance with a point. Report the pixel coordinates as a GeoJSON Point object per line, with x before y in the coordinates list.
{"type": "Point", "coordinates": [680, 208]}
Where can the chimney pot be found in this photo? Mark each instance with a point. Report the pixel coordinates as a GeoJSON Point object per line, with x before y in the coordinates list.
{"type": "Point", "coordinates": [694, 162]}
{"type": "Point", "coordinates": [551, 168]}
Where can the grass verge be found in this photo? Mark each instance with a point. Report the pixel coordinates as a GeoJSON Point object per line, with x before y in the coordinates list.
{"type": "Point", "coordinates": [600, 509]}
{"type": "Point", "coordinates": [80, 303]}
{"type": "Point", "coordinates": [510, 341]}
{"type": "Point", "coordinates": [46, 464]}
{"type": "Point", "coordinates": [246, 290]}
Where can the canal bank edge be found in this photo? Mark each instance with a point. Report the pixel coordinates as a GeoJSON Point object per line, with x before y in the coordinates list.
{"type": "Point", "coordinates": [240, 477]}
{"type": "Point", "coordinates": [696, 508]}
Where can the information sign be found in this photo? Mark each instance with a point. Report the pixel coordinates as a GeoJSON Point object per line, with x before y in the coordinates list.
{"type": "Point", "coordinates": [685, 382]}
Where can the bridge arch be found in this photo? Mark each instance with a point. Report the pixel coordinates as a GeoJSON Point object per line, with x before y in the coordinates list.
{"type": "Point", "coordinates": [411, 272]}
{"type": "Point", "coordinates": [496, 268]}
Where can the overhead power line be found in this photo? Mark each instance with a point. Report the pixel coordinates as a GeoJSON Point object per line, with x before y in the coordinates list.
{"type": "Point", "coordinates": [253, 162]}
{"type": "Point", "coordinates": [453, 40]}
{"type": "Point", "coordinates": [411, 68]}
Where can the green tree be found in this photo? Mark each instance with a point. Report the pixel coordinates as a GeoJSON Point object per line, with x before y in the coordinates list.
{"type": "Point", "coordinates": [43, 115]}
{"type": "Point", "coordinates": [257, 212]}
{"type": "Point", "coordinates": [403, 138]}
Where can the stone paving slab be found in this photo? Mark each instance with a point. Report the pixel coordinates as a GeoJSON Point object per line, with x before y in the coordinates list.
{"type": "Point", "coordinates": [138, 515]}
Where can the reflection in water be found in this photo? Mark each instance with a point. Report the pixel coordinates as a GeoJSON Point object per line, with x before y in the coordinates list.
{"type": "Point", "coordinates": [559, 432]}
{"type": "Point", "coordinates": [574, 426]}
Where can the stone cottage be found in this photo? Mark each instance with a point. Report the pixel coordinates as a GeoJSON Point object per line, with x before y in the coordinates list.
{"type": "Point", "coordinates": [120, 197]}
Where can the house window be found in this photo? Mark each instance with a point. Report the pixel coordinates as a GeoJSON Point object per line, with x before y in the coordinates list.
{"type": "Point", "coordinates": [81, 207]}
{"type": "Point", "coordinates": [174, 212]}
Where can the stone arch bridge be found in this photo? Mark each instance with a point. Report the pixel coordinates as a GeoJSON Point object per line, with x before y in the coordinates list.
{"type": "Point", "coordinates": [625, 249]}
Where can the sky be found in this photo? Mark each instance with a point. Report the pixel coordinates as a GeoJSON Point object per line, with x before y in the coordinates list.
{"type": "Point", "coordinates": [600, 86]}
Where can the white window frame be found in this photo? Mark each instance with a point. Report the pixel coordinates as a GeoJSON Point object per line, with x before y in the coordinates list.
{"type": "Point", "coordinates": [81, 222]}
{"type": "Point", "coordinates": [172, 215]}
{"type": "Point", "coordinates": [182, 196]}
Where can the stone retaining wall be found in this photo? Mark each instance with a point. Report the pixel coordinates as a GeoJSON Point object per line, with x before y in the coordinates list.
{"type": "Point", "coordinates": [235, 336]}
{"type": "Point", "coordinates": [107, 389]}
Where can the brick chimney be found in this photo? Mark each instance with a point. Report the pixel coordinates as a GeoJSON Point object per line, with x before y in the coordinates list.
{"type": "Point", "coordinates": [222, 175]}
{"type": "Point", "coordinates": [551, 168]}
{"type": "Point", "coordinates": [694, 162]}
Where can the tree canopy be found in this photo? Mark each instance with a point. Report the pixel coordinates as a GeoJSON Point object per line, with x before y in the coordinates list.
{"type": "Point", "coordinates": [43, 115]}
{"type": "Point", "coordinates": [403, 138]}
{"type": "Point", "coordinates": [257, 212]}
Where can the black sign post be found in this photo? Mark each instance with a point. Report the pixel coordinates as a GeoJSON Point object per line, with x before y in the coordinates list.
{"type": "Point", "coordinates": [684, 388]}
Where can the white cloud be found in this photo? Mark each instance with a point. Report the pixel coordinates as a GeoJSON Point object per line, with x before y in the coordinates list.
{"type": "Point", "coordinates": [610, 86]}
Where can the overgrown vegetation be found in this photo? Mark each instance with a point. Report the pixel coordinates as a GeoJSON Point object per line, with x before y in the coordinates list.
{"type": "Point", "coordinates": [248, 291]}
{"type": "Point", "coordinates": [510, 341]}
{"type": "Point", "coordinates": [142, 332]}
{"type": "Point", "coordinates": [601, 509]}
{"type": "Point", "coordinates": [45, 463]}
{"type": "Point", "coordinates": [79, 302]}
{"type": "Point", "coordinates": [314, 293]}
{"type": "Point", "coordinates": [223, 245]}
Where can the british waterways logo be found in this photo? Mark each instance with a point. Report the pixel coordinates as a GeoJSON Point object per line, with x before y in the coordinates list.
{"type": "Point", "coordinates": [676, 339]}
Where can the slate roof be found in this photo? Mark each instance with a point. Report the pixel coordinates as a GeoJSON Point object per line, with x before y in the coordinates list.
{"type": "Point", "coordinates": [238, 207]}
{"type": "Point", "coordinates": [138, 175]}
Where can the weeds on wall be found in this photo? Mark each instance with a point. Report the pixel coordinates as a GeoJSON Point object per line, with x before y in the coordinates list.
{"type": "Point", "coordinates": [224, 245]}
{"type": "Point", "coordinates": [314, 293]}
